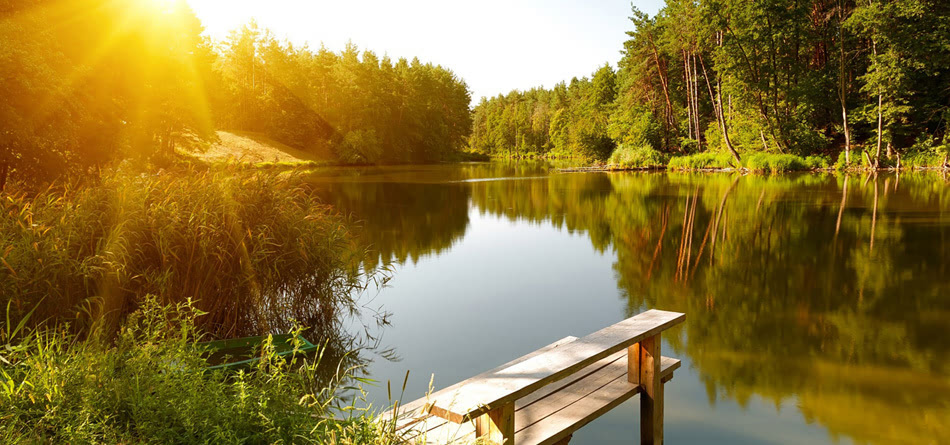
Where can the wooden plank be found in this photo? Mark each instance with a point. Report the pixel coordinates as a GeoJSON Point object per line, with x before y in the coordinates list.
{"type": "Point", "coordinates": [415, 411]}
{"type": "Point", "coordinates": [588, 400]}
{"type": "Point", "coordinates": [418, 406]}
{"type": "Point", "coordinates": [560, 385]}
{"type": "Point", "coordinates": [480, 395]}
{"type": "Point", "coordinates": [543, 410]}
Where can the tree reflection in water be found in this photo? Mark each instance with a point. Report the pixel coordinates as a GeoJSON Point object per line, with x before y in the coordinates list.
{"type": "Point", "coordinates": [829, 290]}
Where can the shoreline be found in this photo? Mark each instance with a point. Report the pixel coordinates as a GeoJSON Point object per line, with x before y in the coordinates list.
{"type": "Point", "coordinates": [608, 169]}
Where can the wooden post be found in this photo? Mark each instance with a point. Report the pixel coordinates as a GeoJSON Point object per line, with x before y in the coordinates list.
{"type": "Point", "coordinates": [497, 425]}
{"type": "Point", "coordinates": [643, 368]}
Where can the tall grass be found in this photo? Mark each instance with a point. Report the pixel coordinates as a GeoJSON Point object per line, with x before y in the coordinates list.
{"type": "Point", "coordinates": [700, 161]}
{"type": "Point", "coordinates": [252, 248]}
{"type": "Point", "coordinates": [640, 156]}
{"type": "Point", "coordinates": [754, 161]}
{"type": "Point", "coordinates": [150, 386]}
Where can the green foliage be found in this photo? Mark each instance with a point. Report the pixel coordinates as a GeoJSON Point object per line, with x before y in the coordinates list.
{"type": "Point", "coordinates": [360, 147]}
{"type": "Point", "coordinates": [699, 161]}
{"type": "Point", "coordinates": [757, 72]}
{"type": "Point", "coordinates": [362, 108]}
{"type": "Point", "coordinates": [757, 162]}
{"type": "Point", "coordinates": [150, 386]}
{"type": "Point", "coordinates": [927, 152]}
{"type": "Point", "coordinates": [771, 162]}
{"type": "Point", "coordinates": [123, 79]}
{"type": "Point", "coordinates": [254, 249]}
{"type": "Point", "coordinates": [137, 79]}
{"type": "Point", "coordinates": [633, 127]}
{"type": "Point", "coordinates": [569, 120]}
{"type": "Point", "coordinates": [642, 156]}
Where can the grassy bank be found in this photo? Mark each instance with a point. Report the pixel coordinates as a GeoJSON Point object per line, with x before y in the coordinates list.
{"type": "Point", "coordinates": [644, 157]}
{"type": "Point", "coordinates": [150, 385]}
{"type": "Point", "coordinates": [88, 355]}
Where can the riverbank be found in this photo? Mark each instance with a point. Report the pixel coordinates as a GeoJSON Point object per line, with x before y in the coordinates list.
{"type": "Point", "coordinates": [106, 286]}
{"type": "Point", "coordinates": [645, 158]}
{"type": "Point", "coordinates": [257, 150]}
{"type": "Point", "coordinates": [151, 385]}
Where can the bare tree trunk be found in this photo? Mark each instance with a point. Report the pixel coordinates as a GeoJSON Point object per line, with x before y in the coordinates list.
{"type": "Point", "coordinates": [842, 87]}
{"type": "Point", "coordinates": [699, 135]}
{"type": "Point", "coordinates": [880, 116]}
{"type": "Point", "coordinates": [756, 75]}
{"type": "Point", "coordinates": [689, 95]}
{"type": "Point", "coordinates": [720, 112]}
{"type": "Point", "coordinates": [847, 133]}
{"type": "Point", "coordinates": [665, 84]}
{"type": "Point", "coordinates": [696, 98]}
{"type": "Point", "coordinates": [880, 129]}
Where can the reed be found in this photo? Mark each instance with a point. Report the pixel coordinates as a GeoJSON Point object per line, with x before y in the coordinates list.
{"type": "Point", "coordinates": [253, 249]}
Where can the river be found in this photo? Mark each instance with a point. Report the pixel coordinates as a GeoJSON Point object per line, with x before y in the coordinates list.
{"type": "Point", "coordinates": [818, 305]}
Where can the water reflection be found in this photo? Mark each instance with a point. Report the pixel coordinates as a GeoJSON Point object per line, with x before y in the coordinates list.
{"type": "Point", "coordinates": [831, 291]}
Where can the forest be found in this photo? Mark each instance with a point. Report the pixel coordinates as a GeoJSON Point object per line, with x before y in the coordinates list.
{"type": "Point", "coordinates": [854, 82]}
{"type": "Point", "coordinates": [88, 83]}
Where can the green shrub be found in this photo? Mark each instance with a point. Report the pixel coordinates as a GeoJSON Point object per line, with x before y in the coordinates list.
{"type": "Point", "coordinates": [704, 160]}
{"type": "Point", "coordinates": [927, 152]}
{"type": "Point", "coordinates": [816, 162]}
{"type": "Point", "coordinates": [641, 156]}
{"type": "Point", "coordinates": [859, 160]}
{"type": "Point", "coordinates": [255, 249]}
{"type": "Point", "coordinates": [150, 386]}
{"type": "Point", "coordinates": [773, 162]}
{"type": "Point", "coordinates": [755, 161]}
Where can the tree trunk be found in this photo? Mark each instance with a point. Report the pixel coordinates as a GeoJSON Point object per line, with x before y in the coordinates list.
{"type": "Point", "coordinates": [699, 135]}
{"type": "Point", "coordinates": [665, 84]}
{"type": "Point", "coordinates": [720, 111]}
{"type": "Point", "coordinates": [880, 115]}
{"type": "Point", "coordinates": [842, 87]}
{"type": "Point", "coordinates": [880, 129]}
{"type": "Point", "coordinates": [847, 134]}
{"type": "Point", "coordinates": [689, 96]}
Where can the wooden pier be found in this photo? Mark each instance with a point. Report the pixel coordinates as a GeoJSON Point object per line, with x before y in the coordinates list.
{"type": "Point", "coordinates": [547, 395]}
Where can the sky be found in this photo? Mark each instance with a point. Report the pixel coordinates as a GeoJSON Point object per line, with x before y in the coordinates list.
{"type": "Point", "coordinates": [494, 45]}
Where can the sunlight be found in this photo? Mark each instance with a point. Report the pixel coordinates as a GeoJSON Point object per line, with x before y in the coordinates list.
{"type": "Point", "coordinates": [165, 6]}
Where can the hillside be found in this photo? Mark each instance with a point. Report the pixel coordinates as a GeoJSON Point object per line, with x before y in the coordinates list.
{"type": "Point", "coordinates": [255, 148]}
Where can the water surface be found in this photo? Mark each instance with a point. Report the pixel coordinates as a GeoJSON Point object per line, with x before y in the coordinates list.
{"type": "Point", "coordinates": [818, 306]}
